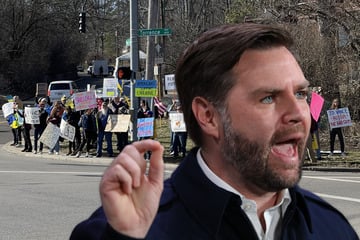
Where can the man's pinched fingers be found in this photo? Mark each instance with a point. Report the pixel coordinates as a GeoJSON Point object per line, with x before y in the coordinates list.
{"type": "Point", "coordinates": [116, 178]}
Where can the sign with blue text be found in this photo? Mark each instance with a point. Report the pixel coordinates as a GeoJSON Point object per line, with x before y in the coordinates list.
{"type": "Point", "coordinates": [339, 117]}
{"type": "Point", "coordinates": [145, 88]}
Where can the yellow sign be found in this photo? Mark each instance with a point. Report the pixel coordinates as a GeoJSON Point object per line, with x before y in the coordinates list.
{"type": "Point", "coordinates": [145, 92]}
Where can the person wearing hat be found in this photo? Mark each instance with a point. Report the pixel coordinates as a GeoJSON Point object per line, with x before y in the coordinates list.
{"type": "Point", "coordinates": [39, 128]}
{"type": "Point", "coordinates": [63, 100]}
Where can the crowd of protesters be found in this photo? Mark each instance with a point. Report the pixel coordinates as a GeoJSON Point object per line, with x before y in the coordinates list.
{"type": "Point", "coordinates": [89, 126]}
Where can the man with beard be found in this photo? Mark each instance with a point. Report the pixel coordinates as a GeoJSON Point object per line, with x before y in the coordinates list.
{"type": "Point", "coordinates": [243, 96]}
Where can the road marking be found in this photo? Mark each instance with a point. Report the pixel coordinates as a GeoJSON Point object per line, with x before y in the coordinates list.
{"type": "Point", "coordinates": [323, 195]}
{"type": "Point", "coordinates": [44, 172]}
{"type": "Point", "coordinates": [77, 173]}
{"type": "Point", "coordinates": [337, 179]}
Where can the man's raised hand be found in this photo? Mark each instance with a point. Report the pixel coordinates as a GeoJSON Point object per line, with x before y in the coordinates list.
{"type": "Point", "coordinates": [129, 196]}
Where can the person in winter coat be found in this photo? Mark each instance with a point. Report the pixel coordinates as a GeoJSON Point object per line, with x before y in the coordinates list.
{"type": "Point", "coordinates": [101, 118]}
{"type": "Point", "coordinates": [87, 124]}
{"type": "Point", "coordinates": [39, 128]}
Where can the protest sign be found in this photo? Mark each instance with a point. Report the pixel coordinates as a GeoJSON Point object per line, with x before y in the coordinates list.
{"type": "Point", "coordinates": [177, 122]}
{"type": "Point", "coordinates": [50, 135]}
{"type": "Point", "coordinates": [110, 87]}
{"type": "Point", "coordinates": [32, 115]}
{"type": "Point", "coordinates": [145, 127]}
{"type": "Point", "coordinates": [316, 105]}
{"type": "Point", "coordinates": [118, 123]}
{"type": "Point", "coordinates": [84, 100]}
{"type": "Point", "coordinates": [339, 117]}
{"type": "Point", "coordinates": [7, 109]}
{"type": "Point", "coordinates": [67, 131]}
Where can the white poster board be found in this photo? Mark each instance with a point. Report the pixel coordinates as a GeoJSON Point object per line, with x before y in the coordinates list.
{"type": "Point", "coordinates": [67, 131]}
{"type": "Point", "coordinates": [32, 115]}
{"type": "Point", "coordinates": [110, 87]}
{"type": "Point", "coordinates": [177, 122]}
{"type": "Point", "coordinates": [8, 109]}
{"type": "Point", "coordinates": [170, 82]}
{"type": "Point", "coordinates": [339, 117]}
{"type": "Point", "coordinates": [50, 135]}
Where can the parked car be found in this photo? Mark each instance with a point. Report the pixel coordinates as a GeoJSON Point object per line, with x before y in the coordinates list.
{"type": "Point", "coordinates": [80, 68]}
{"type": "Point", "coordinates": [57, 89]}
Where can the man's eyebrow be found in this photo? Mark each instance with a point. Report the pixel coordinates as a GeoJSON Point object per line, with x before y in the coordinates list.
{"type": "Point", "coordinates": [273, 90]}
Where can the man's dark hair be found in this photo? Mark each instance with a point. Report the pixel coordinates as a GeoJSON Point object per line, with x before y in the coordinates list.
{"type": "Point", "coordinates": [205, 67]}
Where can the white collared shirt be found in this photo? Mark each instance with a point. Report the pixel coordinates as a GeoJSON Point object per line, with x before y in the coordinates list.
{"type": "Point", "coordinates": [273, 216]}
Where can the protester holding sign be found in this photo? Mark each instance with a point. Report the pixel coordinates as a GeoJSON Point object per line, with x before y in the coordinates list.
{"type": "Point", "coordinates": [180, 135]}
{"type": "Point", "coordinates": [39, 128]}
{"type": "Point", "coordinates": [102, 118]}
{"type": "Point", "coordinates": [336, 131]}
{"type": "Point", "coordinates": [73, 117]}
{"type": "Point", "coordinates": [26, 132]}
{"type": "Point", "coordinates": [119, 106]}
{"type": "Point", "coordinates": [55, 118]}
{"type": "Point", "coordinates": [88, 124]}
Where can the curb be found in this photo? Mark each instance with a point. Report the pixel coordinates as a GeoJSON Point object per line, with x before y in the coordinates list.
{"type": "Point", "coordinates": [82, 159]}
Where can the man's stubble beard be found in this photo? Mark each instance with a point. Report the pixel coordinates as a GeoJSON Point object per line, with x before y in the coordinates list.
{"type": "Point", "coordinates": [251, 159]}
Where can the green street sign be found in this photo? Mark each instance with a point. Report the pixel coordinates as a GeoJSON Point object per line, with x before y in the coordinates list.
{"type": "Point", "coordinates": [155, 32]}
{"type": "Point", "coordinates": [128, 42]}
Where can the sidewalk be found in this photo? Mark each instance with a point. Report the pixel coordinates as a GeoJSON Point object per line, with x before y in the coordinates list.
{"type": "Point", "coordinates": [104, 160]}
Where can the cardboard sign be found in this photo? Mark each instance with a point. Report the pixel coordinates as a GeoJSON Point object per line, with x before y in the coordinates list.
{"type": "Point", "coordinates": [67, 131]}
{"type": "Point", "coordinates": [339, 117]}
{"type": "Point", "coordinates": [118, 123]}
{"type": "Point", "coordinates": [50, 135]}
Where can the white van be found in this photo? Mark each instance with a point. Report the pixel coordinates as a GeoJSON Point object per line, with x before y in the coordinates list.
{"type": "Point", "coordinates": [57, 89]}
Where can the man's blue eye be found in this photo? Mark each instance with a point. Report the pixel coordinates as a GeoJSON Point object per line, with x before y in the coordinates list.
{"type": "Point", "coordinates": [301, 95]}
{"type": "Point", "coordinates": [268, 99]}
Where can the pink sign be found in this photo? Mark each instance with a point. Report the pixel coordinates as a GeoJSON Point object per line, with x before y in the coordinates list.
{"type": "Point", "coordinates": [316, 105]}
{"type": "Point", "coordinates": [84, 100]}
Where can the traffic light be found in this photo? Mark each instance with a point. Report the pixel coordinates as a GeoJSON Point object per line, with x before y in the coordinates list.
{"type": "Point", "coordinates": [124, 73]}
{"type": "Point", "coordinates": [82, 22]}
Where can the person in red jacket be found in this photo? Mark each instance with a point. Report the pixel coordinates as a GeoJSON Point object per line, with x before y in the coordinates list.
{"type": "Point", "coordinates": [243, 97]}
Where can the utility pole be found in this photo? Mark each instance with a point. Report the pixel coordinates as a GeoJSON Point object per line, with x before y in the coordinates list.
{"type": "Point", "coordinates": [134, 64]}
{"type": "Point", "coordinates": [150, 44]}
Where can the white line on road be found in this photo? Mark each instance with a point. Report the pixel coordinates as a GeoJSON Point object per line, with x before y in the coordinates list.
{"type": "Point", "coordinates": [338, 197]}
{"type": "Point", "coordinates": [47, 172]}
{"type": "Point", "coordinates": [77, 173]}
{"type": "Point", "coordinates": [338, 179]}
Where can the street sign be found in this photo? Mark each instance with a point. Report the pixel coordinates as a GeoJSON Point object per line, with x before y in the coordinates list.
{"type": "Point", "coordinates": [155, 32]}
{"type": "Point", "coordinates": [128, 42]}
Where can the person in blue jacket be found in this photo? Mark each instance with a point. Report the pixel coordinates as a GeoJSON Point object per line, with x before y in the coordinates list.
{"type": "Point", "coordinates": [243, 96]}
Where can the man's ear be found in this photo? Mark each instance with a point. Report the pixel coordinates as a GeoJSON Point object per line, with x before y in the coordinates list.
{"type": "Point", "coordinates": [206, 116]}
